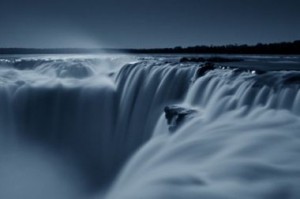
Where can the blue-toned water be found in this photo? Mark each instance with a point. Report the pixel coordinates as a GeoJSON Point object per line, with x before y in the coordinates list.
{"type": "Point", "coordinates": [149, 127]}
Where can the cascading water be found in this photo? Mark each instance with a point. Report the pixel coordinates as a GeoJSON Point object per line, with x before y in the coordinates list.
{"type": "Point", "coordinates": [67, 123]}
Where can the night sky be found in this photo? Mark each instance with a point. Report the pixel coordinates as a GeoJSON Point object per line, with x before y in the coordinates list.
{"type": "Point", "coordinates": [146, 23]}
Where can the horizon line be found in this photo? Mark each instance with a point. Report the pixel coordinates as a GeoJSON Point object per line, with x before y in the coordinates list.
{"type": "Point", "coordinates": [141, 48]}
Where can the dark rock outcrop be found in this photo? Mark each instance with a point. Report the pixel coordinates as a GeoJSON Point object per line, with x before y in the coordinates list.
{"type": "Point", "coordinates": [223, 59]}
{"type": "Point", "coordinates": [294, 79]}
{"type": "Point", "coordinates": [204, 69]}
{"type": "Point", "coordinates": [176, 115]}
{"type": "Point", "coordinates": [238, 70]}
{"type": "Point", "coordinates": [192, 59]}
{"type": "Point", "coordinates": [209, 59]}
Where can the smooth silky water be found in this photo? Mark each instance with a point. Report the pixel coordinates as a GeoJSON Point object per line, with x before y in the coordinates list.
{"type": "Point", "coordinates": [94, 126]}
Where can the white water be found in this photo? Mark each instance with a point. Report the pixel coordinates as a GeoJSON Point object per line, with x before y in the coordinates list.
{"type": "Point", "coordinates": [88, 116]}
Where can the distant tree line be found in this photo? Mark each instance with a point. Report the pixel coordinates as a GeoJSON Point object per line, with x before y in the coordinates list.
{"type": "Point", "coordinates": [272, 48]}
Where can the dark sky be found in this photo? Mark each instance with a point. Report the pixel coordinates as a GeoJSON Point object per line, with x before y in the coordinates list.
{"type": "Point", "coordinates": [146, 23]}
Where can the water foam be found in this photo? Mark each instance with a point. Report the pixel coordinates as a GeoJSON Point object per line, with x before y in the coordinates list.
{"type": "Point", "coordinates": [96, 113]}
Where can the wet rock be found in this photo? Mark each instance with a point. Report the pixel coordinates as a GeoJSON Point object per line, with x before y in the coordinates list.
{"type": "Point", "coordinates": [295, 79]}
{"type": "Point", "coordinates": [239, 70]}
{"type": "Point", "coordinates": [209, 59]}
{"type": "Point", "coordinates": [183, 60]}
{"type": "Point", "coordinates": [222, 59]}
{"type": "Point", "coordinates": [204, 69]}
{"type": "Point", "coordinates": [259, 71]}
{"type": "Point", "coordinates": [176, 115]}
{"type": "Point", "coordinates": [256, 71]}
{"type": "Point", "coordinates": [192, 59]}
{"type": "Point", "coordinates": [111, 74]}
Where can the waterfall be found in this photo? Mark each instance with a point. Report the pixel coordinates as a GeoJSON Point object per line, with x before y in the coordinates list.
{"type": "Point", "coordinates": [243, 141]}
{"type": "Point", "coordinates": [235, 132]}
{"type": "Point", "coordinates": [98, 118]}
